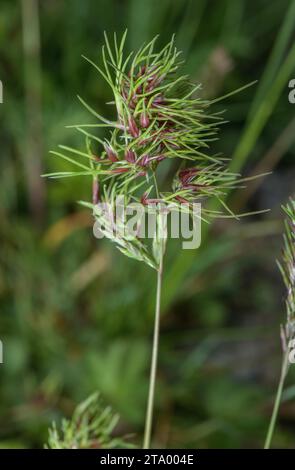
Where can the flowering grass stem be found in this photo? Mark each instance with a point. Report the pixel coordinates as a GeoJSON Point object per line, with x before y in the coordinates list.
{"type": "Point", "coordinates": [287, 268]}
{"type": "Point", "coordinates": [157, 119]}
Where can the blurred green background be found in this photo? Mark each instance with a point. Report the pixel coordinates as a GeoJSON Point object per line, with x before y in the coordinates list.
{"type": "Point", "coordinates": [76, 315]}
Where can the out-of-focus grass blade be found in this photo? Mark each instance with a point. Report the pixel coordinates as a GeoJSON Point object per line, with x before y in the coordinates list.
{"type": "Point", "coordinates": [275, 59]}
{"type": "Point", "coordinates": [189, 26]}
{"type": "Point", "coordinates": [264, 111]}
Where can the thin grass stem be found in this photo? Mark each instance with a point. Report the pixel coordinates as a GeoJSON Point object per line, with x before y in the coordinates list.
{"type": "Point", "coordinates": [151, 396]}
{"type": "Point", "coordinates": [277, 402]}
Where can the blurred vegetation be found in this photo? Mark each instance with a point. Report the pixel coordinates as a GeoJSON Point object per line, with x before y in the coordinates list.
{"type": "Point", "coordinates": [76, 316]}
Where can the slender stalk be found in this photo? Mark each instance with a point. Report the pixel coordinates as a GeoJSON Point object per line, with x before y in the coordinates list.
{"type": "Point", "coordinates": [277, 401]}
{"type": "Point", "coordinates": [150, 405]}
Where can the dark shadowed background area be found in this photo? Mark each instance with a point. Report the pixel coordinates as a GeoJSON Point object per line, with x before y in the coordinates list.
{"type": "Point", "coordinates": [76, 315]}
